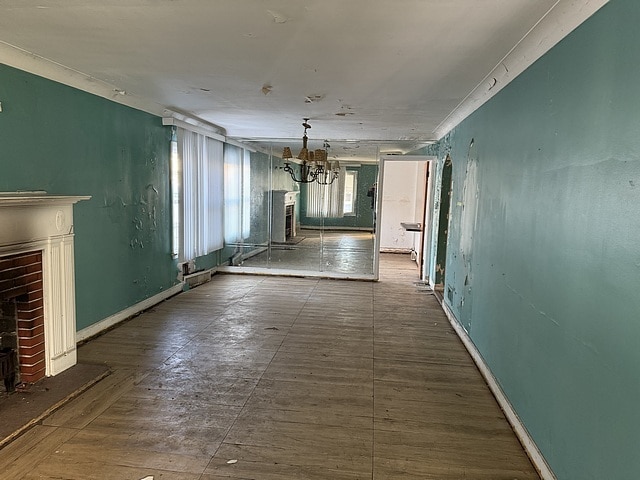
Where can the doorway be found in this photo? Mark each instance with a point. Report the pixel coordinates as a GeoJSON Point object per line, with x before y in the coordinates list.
{"type": "Point", "coordinates": [403, 195]}
{"type": "Point", "coordinates": [443, 225]}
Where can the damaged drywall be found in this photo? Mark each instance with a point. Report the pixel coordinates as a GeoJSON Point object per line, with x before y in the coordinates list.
{"type": "Point", "coordinates": [550, 249]}
{"type": "Point", "coordinates": [69, 142]}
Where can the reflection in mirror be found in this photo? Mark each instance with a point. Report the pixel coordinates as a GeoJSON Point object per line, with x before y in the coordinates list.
{"type": "Point", "coordinates": [278, 225]}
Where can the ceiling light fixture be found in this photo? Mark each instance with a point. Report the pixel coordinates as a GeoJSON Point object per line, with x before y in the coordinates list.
{"type": "Point", "coordinates": [315, 166]}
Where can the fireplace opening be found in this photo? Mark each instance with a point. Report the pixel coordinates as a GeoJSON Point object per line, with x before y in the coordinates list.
{"type": "Point", "coordinates": [9, 369]}
{"type": "Point", "coordinates": [22, 336]}
{"type": "Point", "coordinates": [288, 225]}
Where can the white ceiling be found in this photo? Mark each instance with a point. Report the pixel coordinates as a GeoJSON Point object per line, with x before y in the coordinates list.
{"type": "Point", "coordinates": [393, 72]}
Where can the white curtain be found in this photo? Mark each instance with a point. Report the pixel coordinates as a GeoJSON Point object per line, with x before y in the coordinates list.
{"type": "Point", "coordinates": [237, 194]}
{"type": "Point", "coordinates": [202, 182]}
{"type": "Point", "coordinates": [246, 194]}
{"type": "Point", "coordinates": [326, 200]}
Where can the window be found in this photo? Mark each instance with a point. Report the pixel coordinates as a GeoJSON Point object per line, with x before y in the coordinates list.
{"type": "Point", "coordinates": [350, 192]}
{"type": "Point", "coordinates": [326, 200]}
{"type": "Point", "coordinates": [237, 194]}
{"type": "Point", "coordinates": [176, 197]}
{"type": "Point", "coordinates": [197, 194]}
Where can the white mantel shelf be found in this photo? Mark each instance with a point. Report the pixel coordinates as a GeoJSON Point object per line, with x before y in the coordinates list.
{"type": "Point", "coordinates": [34, 216]}
{"type": "Point", "coordinates": [38, 198]}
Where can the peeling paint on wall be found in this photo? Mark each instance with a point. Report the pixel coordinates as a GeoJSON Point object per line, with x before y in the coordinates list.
{"type": "Point", "coordinates": [468, 221]}
{"type": "Point", "coordinates": [551, 253]}
{"type": "Point", "coordinates": [87, 145]}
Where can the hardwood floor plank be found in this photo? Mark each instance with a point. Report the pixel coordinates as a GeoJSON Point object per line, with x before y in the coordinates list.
{"type": "Point", "coordinates": [22, 456]}
{"type": "Point", "coordinates": [79, 451]}
{"type": "Point", "coordinates": [283, 462]}
{"type": "Point", "coordinates": [57, 468]}
{"type": "Point", "coordinates": [84, 409]}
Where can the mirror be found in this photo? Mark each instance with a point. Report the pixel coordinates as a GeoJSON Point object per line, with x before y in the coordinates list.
{"type": "Point", "coordinates": [286, 227]}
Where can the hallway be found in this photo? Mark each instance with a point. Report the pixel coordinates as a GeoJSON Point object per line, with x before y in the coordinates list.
{"type": "Point", "coordinates": [272, 378]}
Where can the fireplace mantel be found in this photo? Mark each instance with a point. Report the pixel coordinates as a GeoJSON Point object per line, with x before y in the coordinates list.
{"type": "Point", "coordinates": [34, 216]}
{"type": "Point", "coordinates": [37, 221]}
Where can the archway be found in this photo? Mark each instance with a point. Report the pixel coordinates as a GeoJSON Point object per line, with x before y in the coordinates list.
{"type": "Point", "coordinates": [443, 224]}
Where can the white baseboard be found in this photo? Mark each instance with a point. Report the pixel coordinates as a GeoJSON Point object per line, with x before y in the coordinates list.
{"type": "Point", "coordinates": [108, 322]}
{"type": "Point", "coordinates": [512, 417]}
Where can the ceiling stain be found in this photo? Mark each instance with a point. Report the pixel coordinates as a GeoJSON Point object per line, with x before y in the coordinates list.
{"type": "Point", "coordinates": [313, 98]}
{"type": "Point", "coordinates": [278, 17]}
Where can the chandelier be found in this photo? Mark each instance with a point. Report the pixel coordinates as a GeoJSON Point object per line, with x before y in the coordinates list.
{"type": "Point", "coordinates": [314, 166]}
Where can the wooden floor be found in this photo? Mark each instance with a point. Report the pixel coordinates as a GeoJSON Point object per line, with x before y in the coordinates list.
{"type": "Point", "coordinates": [270, 378]}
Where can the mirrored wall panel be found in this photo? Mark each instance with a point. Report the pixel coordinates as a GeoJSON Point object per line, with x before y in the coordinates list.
{"type": "Point", "coordinates": [286, 215]}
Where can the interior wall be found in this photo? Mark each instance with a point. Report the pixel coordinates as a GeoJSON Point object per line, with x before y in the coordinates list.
{"type": "Point", "coordinates": [402, 201]}
{"type": "Point", "coordinates": [64, 141]}
{"type": "Point", "coordinates": [543, 257]}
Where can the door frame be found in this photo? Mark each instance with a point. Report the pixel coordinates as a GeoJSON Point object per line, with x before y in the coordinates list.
{"type": "Point", "coordinates": [426, 238]}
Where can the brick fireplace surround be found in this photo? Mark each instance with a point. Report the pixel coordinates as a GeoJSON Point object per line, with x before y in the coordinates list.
{"type": "Point", "coordinates": [37, 283]}
{"type": "Point", "coordinates": [21, 281]}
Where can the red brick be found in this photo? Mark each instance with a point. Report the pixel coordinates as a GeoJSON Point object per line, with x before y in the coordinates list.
{"type": "Point", "coordinates": [38, 329]}
{"type": "Point", "coordinates": [30, 342]}
{"type": "Point", "coordinates": [31, 295]}
{"type": "Point", "coordinates": [30, 314]}
{"type": "Point", "coordinates": [17, 258]}
{"type": "Point", "coordinates": [30, 306]}
{"type": "Point", "coordinates": [29, 324]}
{"type": "Point", "coordinates": [32, 375]}
{"type": "Point", "coordinates": [33, 350]}
{"type": "Point", "coordinates": [30, 360]}
{"type": "Point", "coordinates": [9, 293]}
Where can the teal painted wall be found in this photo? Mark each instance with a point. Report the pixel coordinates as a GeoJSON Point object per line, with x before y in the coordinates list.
{"type": "Point", "coordinates": [367, 176]}
{"type": "Point", "coordinates": [65, 141]}
{"type": "Point", "coordinates": [260, 188]}
{"type": "Point", "coordinates": [544, 249]}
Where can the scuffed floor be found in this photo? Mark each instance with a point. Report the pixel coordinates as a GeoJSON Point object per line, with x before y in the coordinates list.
{"type": "Point", "coordinates": [254, 377]}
